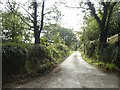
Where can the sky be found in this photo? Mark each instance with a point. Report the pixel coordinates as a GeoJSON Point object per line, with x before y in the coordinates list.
{"type": "Point", "coordinates": [71, 17]}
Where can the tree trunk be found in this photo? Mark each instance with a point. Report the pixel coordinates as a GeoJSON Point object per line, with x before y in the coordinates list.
{"type": "Point", "coordinates": [104, 27]}
{"type": "Point", "coordinates": [13, 27]}
{"type": "Point", "coordinates": [103, 37]}
{"type": "Point", "coordinates": [36, 32]}
{"type": "Point", "coordinates": [37, 37]}
{"type": "Point", "coordinates": [42, 17]}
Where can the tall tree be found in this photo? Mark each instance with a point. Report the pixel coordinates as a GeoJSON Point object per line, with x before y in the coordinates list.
{"type": "Point", "coordinates": [104, 21]}
{"type": "Point", "coordinates": [35, 25]}
{"type": "Point", "coordinates": [36, 19]}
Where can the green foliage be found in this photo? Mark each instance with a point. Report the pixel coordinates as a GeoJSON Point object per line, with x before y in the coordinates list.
{"type": "Point", "coordinates": [58, 51]}
{"type": "Point", "coordinates": [23, 59]}
{"type": "Point", "coordinates": [54, 53]}
{"type": "Point", "coordinates": [13, 27]}
{"type": "Point", "coordinates": [91, 50]}
{"type": "Point", "coordinates": [90, 39]}
{"type": "Point", "coordinates": [112, 56]}
{"type": "Point", "coordinates": [28, 59]}
{"type": "Point", "coordinates": [43, 41]}
{"type": "Point", "coordinates": [13, 59]}
{"type": "Point", "coordinates": [58, 34]}
{"type": "Point", "coordinates": [38, 52]}
{"type": "Point", "coordinates": [91, 30]}
{"type": "Point", "coordinates": [111, 67]}
{"type": "Point", "coordinates": [14, 44]}
{"type": "Point", "coordinates": [103, 65]}
{"type": "Point", "coordinates": [114, 22]}
{"type": "Point", "coordinates": [106, 66]}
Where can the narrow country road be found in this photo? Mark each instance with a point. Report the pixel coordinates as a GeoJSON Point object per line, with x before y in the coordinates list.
{"type": "Point", "coordinates": [74, 72]}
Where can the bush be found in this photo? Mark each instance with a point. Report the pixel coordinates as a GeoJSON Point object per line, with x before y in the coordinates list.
{"type": "Point", "coordinates": [38, 58]}
{"type": "Point", "coordinates": [13, 60]}
{"type": "Point", "coordinates": [108, 55]}
{"type": "Point", "coordinates": [63, 49]}
{"type": "Point", "coordinates": [21, 59]}
{"type": "Point", "coordinates": [58, 51]}
{"type": "Point", "coordinates": [27, 59]}
{"type": "Point", "coordinates": [110, 67]}
{"type": "Point", "coordinates": [55, 53]}
{"type": "Point", "coordinates": [112, 53]}
{"type": "Point", "coordinates": [90, 48]}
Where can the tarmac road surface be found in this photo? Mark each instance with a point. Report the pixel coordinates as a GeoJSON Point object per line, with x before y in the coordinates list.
{"type": "Point", "coordinates": [74, 72]}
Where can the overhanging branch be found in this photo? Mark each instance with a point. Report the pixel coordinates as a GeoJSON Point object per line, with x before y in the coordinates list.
{"type": "Point", "coordinates": [48, 12]}
{"type": "Point", "coordinates": [70, 6]}
{"type": "Point", "coordinates": [25, 22]}
{"type": "Point", "coordinates": [92, 8]}
{"type": "Point", "coordinates": [25, 10]}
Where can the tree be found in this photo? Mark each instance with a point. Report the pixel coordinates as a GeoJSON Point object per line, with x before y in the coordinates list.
{"type": "Point", "coordinates": [35, 15]}
{"type": "Point", "coordinates": [36, 29]}
{"type": "Point", "coordinates": [55, 33]}
{"type": "Point", "coordinates": [13, 28]}
{"type": "Point", "coordinates": [114, 23]}
{"type": "Point", "coordinates": [103, 22]}
{"type": "Point", "coordinates": [36, 25]}
{"type": "Point", "coordinates": [91, 30]}
{"type": "Point", "coordinates": [110, 27]}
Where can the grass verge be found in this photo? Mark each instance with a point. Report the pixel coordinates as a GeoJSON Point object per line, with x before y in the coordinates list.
{"type": "Point", "coordinates": [106, 67]}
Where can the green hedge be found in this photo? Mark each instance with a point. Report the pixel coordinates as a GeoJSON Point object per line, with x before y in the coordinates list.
{"type": "Point", "coordinates": [21, 59]}
{"type": "Point", "coordinates": [89, 48]}
{"type": "Point", "coordinates": [13, 59]}
{"type": "Point", "coordinates": [28, 59]}
{"type": "Point", "coordinates": [109, 54]}
{"type": "Point", "coordinates": [58, 51]}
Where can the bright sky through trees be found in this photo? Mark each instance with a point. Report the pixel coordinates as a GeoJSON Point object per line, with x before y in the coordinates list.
{"type": "Point", "coordinates": [71, 17]}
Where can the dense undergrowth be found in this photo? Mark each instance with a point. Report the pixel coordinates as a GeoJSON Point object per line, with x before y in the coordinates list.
{"type": "Point", "coordinates": [109, 58]}
{"type": "Point", "coordinates": [21, 60]}
{"type": "Point", "coordinates": [103, 65]}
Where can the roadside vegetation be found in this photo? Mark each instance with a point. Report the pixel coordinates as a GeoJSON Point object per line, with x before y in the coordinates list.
{"type": "Point", "coordinates": [104, 54]}
{"type": "Point", "coordinates": [34, 42]}
{"type": "Point", "coordinates": [106, 67]}
{"type": "Point", "coordinates": [29, 60]}
{"type": "Point", "coordinates": [28, 51]}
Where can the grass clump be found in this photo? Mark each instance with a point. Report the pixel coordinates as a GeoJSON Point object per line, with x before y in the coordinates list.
{"type": "Point", "coordinates": [106, 66]}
